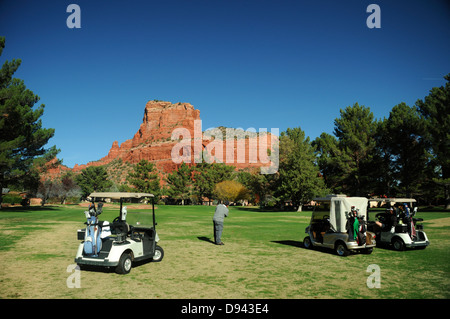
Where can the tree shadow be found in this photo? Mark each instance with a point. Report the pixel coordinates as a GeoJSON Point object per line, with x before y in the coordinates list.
{"type": "Point", "coordinates": [207, 239]}
{"type": "Point", "coordinates": [27, 209]}
{"type": "Point", "coordinates": [252, 209]}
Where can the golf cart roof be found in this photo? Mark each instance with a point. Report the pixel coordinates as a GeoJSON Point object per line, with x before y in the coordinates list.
{"type": "Point", "coordinates": [328, 198]}
{"type": "Point", "coordinates": [396, 200]}
{"type": "Point", "coordinates": [119, 195]}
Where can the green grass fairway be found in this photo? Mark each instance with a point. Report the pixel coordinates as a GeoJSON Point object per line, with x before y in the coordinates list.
{"type": "Point", "coordinates": [262, 257]}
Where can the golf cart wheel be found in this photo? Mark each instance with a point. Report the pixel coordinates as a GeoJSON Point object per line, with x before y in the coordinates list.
{"type": "Point", "coordinates": [341, 249]}
{"type": "Point", "coordinates": [159, 254]}
{"type": "Point", "coordinates": [307, 243]}
{"type": "Point", "coordinates": [125, 262]}
{"type": "Point", "coordinates": [398, 244]}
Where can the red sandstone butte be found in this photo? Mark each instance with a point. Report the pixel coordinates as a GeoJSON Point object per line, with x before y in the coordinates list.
{"type": "Point", "coordinates": [153, 140]}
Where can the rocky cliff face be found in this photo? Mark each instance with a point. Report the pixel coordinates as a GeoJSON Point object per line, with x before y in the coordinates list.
{"type": "Point", "coordinates": [153, 141]}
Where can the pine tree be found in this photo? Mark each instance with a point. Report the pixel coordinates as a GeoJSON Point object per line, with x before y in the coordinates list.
{"type": "Point", "coordinates": [355, 131]}
{"type": "Point", "coordinates": [145, 178]}
{"type": "Point", "coordinates": [22, 137]}
{"type": "Point", "coordinates": [180, 183]}
{"type": "Point", "coordinates": [93, 179]}
{"type": "Point", "coordinates": [299, 179]}
{"type": "Point", "coordinates": [347, 161]}
{"type": "Point", "coordinates": [435, 110]}
{"type": "Point", "coordinates": [402, 139]}
{"type": "Point", "coordinates": [329, 161]}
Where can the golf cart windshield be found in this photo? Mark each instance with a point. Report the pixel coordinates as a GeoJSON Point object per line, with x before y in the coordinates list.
{"type": "Point", "coordinates": [121, 196]}
{"type": "Point", "coordinates": [340, 207]}
{"type": "Point", "coordinates": [393, 202]}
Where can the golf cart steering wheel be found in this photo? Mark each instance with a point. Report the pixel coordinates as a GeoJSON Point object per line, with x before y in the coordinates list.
{"type": "Point", "coordinates": [325, 217]}
{"type": "Point", "coordinates": [381, 217]}
{"type": "Point", "coordinates": [117, 219]}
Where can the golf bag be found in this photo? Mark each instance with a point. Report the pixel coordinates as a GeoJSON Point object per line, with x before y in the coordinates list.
{"type": "Point", "coordinates": [92, 240]}
{"type": "Point", "coordinates": [352, 225]}
{"type": "Point", "coordinates": [362, 231]}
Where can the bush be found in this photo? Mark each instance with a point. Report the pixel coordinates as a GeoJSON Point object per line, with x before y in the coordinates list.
{"type": "Point", "coordinates": [12, 199]}
{"type": "Point", "coordinates": [231, 191]}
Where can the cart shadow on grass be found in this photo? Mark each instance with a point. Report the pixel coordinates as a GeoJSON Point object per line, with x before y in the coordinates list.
{"type": "Point", "coordinates": [299, 244]}
{"type": "Point", "coordinates": [99, 269]}
{"type": "Point", "coordinates": [294, 243]}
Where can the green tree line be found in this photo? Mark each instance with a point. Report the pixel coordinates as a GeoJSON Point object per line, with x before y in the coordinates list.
{"type": "Point", "coordinates": [405, 154]}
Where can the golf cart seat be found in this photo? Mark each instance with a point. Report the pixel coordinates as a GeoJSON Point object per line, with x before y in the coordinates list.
{"type": "Point", "coordinates": [121, 229]}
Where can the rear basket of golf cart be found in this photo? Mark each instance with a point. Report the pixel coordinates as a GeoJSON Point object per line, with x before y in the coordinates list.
{"type": "Point", "coordinates": [81, 234]}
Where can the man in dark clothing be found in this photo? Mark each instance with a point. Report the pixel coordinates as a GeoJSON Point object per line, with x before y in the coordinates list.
{"type": "Point", "coordinates": [218, 219]}
{"type": "Point", "coordinates": [391, 221]}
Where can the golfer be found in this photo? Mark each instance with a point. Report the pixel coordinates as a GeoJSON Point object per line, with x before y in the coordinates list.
{"type": "Point", "coordinates": [219, 216]}
{"type": "Point", "coordinates": [391, 221]}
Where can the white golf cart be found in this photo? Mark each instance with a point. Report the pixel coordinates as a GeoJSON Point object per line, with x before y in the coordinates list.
{"type": "Point", "coordinates": [341, 227]}
{"type": "Point", "coordinates": [116, 244]}
{"type": "Point", "coordinates": [399, 228]}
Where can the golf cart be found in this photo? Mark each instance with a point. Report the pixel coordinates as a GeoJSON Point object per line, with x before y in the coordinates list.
{"type": "Point", "coordinates": [116, 244]}
{"type": "Point", "coordinates": [398, 227]}
{"type": "Point", "coordinates": [342, 227]}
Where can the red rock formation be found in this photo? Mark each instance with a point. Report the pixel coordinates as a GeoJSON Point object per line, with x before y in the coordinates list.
{"type": "Point", "coordinates": [53, 170]}
{"type": "Point", "coordinates": [153, 141]}
{"type": "Point", "coordinates": [161, 118]}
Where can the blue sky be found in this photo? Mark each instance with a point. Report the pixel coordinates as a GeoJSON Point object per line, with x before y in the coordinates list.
{"type": "Point", "coordinates": [260, 64]}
